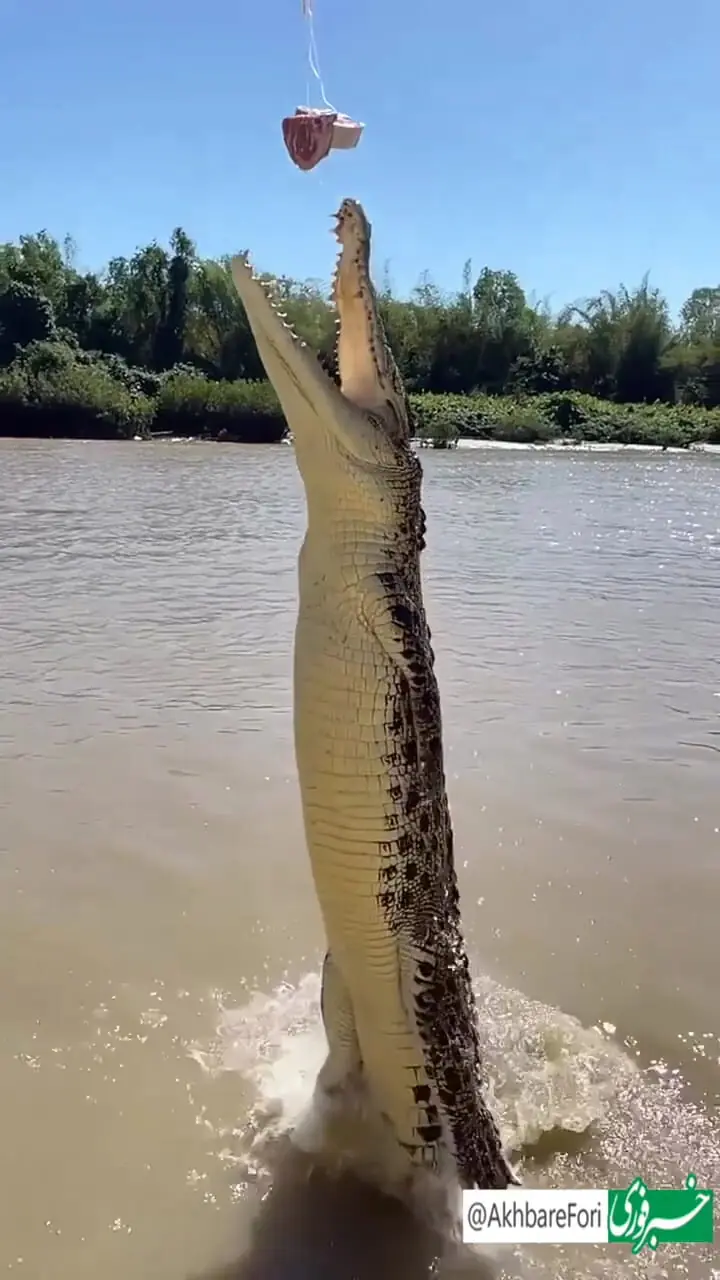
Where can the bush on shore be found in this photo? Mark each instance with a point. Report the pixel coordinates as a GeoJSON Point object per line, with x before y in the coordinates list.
{"type": "Point", "coordinates": [189, 404]}
{"type": "Point", "coordinates": [569, 416]}
{"type": "Point", "coordinates": [54, 388]}
{"type": "Point", "coordinates": [47, 391]}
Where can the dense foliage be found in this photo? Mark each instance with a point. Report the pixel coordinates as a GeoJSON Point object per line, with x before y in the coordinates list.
{"type": "Point", "coordinates": [159, 342]}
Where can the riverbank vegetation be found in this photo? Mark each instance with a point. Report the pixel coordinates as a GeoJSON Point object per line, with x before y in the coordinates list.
{"type": "Point", "coordinates": [158, 343]}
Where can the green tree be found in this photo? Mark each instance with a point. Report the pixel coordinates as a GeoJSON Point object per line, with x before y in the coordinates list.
{"type": "Point", "coordinates": [164, 309]}
{"type": "Point", "coordinates": [615, 343]}
{"type": "Point", "coordinates": [700, 316]}
{"type": "Point", "coordinates": [26, 315]}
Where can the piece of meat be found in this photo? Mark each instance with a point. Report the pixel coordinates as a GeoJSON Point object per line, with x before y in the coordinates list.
{"type": "Point", "coordinates": [312, 133]}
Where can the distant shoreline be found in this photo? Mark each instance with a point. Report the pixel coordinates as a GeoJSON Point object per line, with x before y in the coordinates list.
{"type": "Point", "coordinates": [420, 443]}
{"type": "Point", "coordinates": [88, 403]}
{"type": "Point", "coordinates": [587, 446]}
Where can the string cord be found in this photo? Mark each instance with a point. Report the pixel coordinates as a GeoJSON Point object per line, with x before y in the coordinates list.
{"type": "Point", "coordinates": [313, 56]}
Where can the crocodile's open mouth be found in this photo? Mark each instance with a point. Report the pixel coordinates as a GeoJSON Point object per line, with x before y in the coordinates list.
{"type": "Point", "coordinates": [291, 365]}
{"type": "Point", "coordinates": [364, 361]}
{"type": "Point", "coordinates": [263, 305]}
{"type": "Point", "coordinates": [352, 267]}
{"type": "Point", "coordinates": [350, 282]}
{"type": "Point", "coordinates": [367, 412]}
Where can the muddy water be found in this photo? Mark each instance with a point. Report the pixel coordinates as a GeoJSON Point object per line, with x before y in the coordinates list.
{"type": "Point", "coordinates": [159, 938]}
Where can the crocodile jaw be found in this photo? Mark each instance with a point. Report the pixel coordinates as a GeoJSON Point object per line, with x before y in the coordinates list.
{"type": "Point", "coordinates": [366, 418]}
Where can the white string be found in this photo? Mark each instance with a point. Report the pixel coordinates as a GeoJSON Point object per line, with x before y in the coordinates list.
{"type": "Point", "coordinates": [313, 58]}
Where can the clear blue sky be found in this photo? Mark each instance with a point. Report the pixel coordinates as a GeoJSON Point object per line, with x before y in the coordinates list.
{"type": "Point", "coordinates": [575, 142]}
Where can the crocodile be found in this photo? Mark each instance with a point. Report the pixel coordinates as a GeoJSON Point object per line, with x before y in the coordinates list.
{"type": "Point", "coordinates": [397, 1000]}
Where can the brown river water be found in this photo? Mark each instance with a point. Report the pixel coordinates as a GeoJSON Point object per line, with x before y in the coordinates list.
{"type": "Point", "coordinates": [159, 936]}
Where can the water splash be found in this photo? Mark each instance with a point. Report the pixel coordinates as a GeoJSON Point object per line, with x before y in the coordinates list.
{"type": "Point", "coordinates": [570, 1100]}
{"type": "Point", "coordinates": [547, 1071]}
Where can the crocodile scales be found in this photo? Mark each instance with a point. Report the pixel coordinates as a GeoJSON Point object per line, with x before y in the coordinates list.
{"type": "Point", "coordinates": [397, 999]}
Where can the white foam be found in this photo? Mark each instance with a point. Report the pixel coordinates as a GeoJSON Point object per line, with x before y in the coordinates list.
{"type": "Point", "coordinates": [546, 1072]}
{"type": "Point", "coordinates": [550, 1078]}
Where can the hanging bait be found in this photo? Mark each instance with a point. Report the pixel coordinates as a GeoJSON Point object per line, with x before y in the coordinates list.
{"type": "Point", "coordinates": [313, 132]}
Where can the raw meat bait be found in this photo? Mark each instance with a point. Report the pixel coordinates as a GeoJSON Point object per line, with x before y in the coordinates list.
{"type": "Point", "coordinates": [313, 132]}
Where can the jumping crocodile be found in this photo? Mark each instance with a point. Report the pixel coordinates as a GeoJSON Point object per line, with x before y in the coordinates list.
{"type": "Point", "coordinates": [397, 999]}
